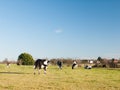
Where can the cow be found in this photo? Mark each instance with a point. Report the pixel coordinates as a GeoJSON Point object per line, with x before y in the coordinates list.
{"type": "Point", "coordinates": [59, 63]}
{"type": "Point", "coordinates": [39, 64]}
{"type": "Point", "coordinates": [87, 67]}
{"type": "Point", "coordinates": [8, 64]}
{"type": "Point", "coordinates": [74, 64]}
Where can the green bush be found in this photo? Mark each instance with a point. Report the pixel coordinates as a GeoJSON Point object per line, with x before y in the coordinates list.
{"type": "Point", "coordinates": [25, 59]}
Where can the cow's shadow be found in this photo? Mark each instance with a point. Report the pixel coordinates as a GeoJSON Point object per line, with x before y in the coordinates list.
{"type": "Point", "coordinates": [13, 73]}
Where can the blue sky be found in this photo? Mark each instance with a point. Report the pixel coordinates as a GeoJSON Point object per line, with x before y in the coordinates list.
{"type": "Point", "coordinates": [60, 28]}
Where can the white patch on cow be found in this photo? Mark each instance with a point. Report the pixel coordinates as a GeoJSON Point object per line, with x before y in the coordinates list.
{"type": "Point", "coordinates": [42, 66]}
{"type": "Point", "coordinates": [45, 62]}
{"type": "Point", "coordinates": [74, 62]}
{"type": "Point", "coordinates": [91, 62]}
{"type": "Point", "coordinates": [89, 67]}
{"type": "Point", "coordinates": [76, 66]}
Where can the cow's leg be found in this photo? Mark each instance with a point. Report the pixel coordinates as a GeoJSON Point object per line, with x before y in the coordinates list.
{"type": "Point", "coordinates": [61, 67]}
{"type": "Point", "coordinates": [45, 70]}
{"type": "Point", "coordinates": [34, 69]}
{"type": "Point", "coordinates": [39, 71]}
{"type": "Point", "coordinates": [73, 66]}
{"type": "Point", "coordinates": [58, 67]}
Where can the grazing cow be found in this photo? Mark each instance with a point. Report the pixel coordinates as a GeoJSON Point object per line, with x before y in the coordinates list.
{"type": "Point", "coordinates": [8, 64]}
{"type": "Point", "coordinates": [59, 63]}
{"type": "Point", "coordinates": [41, 63]}
{"type": "Point", "coordinates": [74, 64]}
{"type": "Point", "coordinates": [87, 67]}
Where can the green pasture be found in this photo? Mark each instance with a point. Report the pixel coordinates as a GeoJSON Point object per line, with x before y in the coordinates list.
{"type": "Point", "coordinates": [22, 78]}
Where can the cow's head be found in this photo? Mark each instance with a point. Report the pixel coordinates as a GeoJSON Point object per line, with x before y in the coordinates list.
{"type": "Point", "coordinates": [46, 62]}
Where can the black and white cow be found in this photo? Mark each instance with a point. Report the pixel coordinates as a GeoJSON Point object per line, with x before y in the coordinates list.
{"type": "Point", "coordinates": [59, 63]}
{"type": "Point", "coordinates": [8, 64]}
{"type": "Point", "coordinates": [41, 63]}
{"type": "Point", "coordinates": [87, 67]}
{"type": "Point", "coordinates": [74, 64]}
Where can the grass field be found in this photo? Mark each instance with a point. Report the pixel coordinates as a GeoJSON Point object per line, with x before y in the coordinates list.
{"type": "Point", "coordinates": [22, 78]}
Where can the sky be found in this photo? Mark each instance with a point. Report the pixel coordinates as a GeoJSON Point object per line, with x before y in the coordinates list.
{"type": "Point", "coordinates": [83, 29]}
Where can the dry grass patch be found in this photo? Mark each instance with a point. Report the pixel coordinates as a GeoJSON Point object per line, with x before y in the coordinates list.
{"type": "Point", "coordinates": [22, 78]}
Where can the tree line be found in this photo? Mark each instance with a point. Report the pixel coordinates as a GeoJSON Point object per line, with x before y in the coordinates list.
{"type": "Point", "coordinates": [27, 59]}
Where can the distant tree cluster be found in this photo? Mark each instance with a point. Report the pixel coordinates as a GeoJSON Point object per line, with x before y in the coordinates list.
{"type": "Point", "coordinates": [5, 61]}
{"type": "Point", "coordinates": [109, 63]}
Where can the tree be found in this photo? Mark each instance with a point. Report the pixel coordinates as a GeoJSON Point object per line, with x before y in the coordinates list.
{"type": "Point", "coordinates": [25, 59]}
{"type": "Point", "coordinates": [99, 59]}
